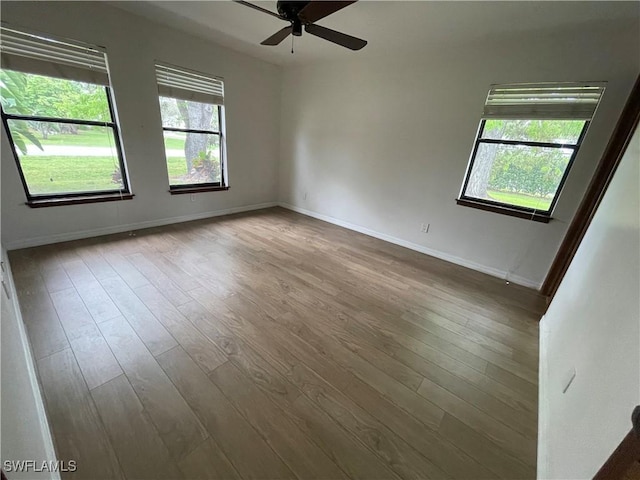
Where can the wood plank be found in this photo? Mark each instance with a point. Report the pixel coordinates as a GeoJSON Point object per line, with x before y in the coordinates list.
{"type": "Point", "coordinates": [156, 338]}
{"type": "Point", "coordinates": [125, 270]}
{"type": "Point", "coordinates": [96, 361]}
{"type": "Point", "coordinates": [363, 397]}
{"type": "Point", "coordinates": [168, 288]}
{"type": "Point", "coordinates": [178, 426]}
{"type": "Point", "coordinates": [91, 256]}
{"type": "Point", "coordinates": [78, 431]}
{"type": "Point", "coordinates": [508, 439]}
{"type": "Point", "coordinates": [525, 388]}
{"type": "Point", "coordinates": [349, 456]}
{"type": "Point", "coordinates": [426, 344]}
{"type": "Point", "coordinates": [93, 295]}
{"type": "Point", "coordinates": [138, 446]}
{"type": "Point", "coordinates": [242, 445]}
{"type": "Point", "coordinates": [301, 455]}
{"type": "Point", "coordinates": [225, 329]}
{"type": "Point", "coordinates": [208, 461]}
{"type": "Point", "coordinates": [175, 271]}
{"type": "Point", "coordinates": [435, 365]}
{"type": "Point", "coordinates": [45, 331]}
{"type": "Point", "coordinates": [398, 455]}
{"type": "Point", "coordinates": [200, 348]}
{"type": "Point", "coordinates": [56, 279]}
{"type": "Point", "coordinates": [356, 333]}
{"type": "Point", "coordinates": [525, 370]}
{"type": "Point", "coordinates": [489, 454]}
{"type": "Point", "coordinates": [74, 316]}
{"type": "Point", "coordinates": [403, 397]}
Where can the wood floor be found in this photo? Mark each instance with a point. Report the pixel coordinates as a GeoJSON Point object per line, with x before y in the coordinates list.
{"type": "Point", "coordinates": [272, 345]}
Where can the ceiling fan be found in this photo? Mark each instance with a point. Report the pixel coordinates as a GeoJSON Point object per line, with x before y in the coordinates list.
{"type": "Point", "coordinates": [300, 14]}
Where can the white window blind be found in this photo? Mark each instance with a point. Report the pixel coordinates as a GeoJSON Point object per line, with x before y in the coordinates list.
{"type": "Point", "coordinates": [30, 53]}
{"type": "Point", "coordinates": [184, 84]}
{"type": "Point", "coordinates": [564, 101]}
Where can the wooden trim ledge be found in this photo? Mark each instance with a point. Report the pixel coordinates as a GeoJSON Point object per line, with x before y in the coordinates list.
{"type": "Point", "coordinates": [59, 202]}
{"type": "Point", "coordinates": [183, 191]}
{"type": "Point", "coordinates": [512, 212]}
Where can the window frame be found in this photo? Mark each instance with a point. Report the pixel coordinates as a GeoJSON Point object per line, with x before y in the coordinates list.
{"type": "Point", "coordinates": [182, 83]}
{"type": "Point", "coordinates": [67, 198]}
{"type": "Point", "coordinates": [517, 210]}
{"type": "Point", "coordinates": [41, 53]}
{"type": "Point", "coordinates": [200, 187]}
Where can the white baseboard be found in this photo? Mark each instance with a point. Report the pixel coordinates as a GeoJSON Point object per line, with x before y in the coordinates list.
{"type": "Point", "coordinates": [65, 237]}
{"type": "Point", "coordinates": [494, 272]}
{"type": "Point", "coordinates": [96, 232]}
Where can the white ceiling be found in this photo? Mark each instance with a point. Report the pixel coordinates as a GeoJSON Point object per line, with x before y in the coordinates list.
{"type": "Point", "coordinates": [388, 26]}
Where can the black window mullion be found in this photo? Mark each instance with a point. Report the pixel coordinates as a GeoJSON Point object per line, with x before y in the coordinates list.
{"type": "Point", "coordinates": [527, 143]}
{"type": "Point", "coordinates": [476, 144]}
{"type": "Point", "coordinates": [221, 147]}
{"type": "Point", "coordinates": [73, 121]}
{"type": "Point", "coordinates": [116, 136]}
{"type": "Point", "coordinates": [15, 154]}
{"type": "Point", "coordinates": [190, 130]}
{"type": "Point", "coordinates": [568, 167]}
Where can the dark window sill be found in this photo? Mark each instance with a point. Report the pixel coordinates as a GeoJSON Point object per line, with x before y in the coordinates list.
{"type": "Point", "coordinates": [204, 188]}
{"type": "Point", "coordinates": [536, 217]}
{"type": "Point", "coordinates": [61, 201]}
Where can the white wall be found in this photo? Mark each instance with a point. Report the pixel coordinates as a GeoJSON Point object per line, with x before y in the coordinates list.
{"type": "Point", "coordinates": [252, 97]}
{"type": "Point", "coordinates": [382, 145]}
{"type": "Point", "coordinates": [25, 433]}
{"type": "Point", "coordinates": [593, 325]}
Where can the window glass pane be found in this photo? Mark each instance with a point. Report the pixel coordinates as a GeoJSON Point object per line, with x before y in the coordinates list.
{"type": "Point", "coordinates": [189, 115]}
{"type": "Point", "coordinates": [517, 175]}
{"type": "Point", "coordinates": [61, 158]}
{"type": "Point", "coordinates": [192, 158]}
{"type": "Point", "coordinates": [548, 131]}
{"type": "Point", "coordinates": [37, 95]}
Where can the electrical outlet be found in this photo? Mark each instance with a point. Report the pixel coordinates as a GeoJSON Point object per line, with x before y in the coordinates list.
{"type": "Point", "coordinates": [424, 228]}
{"type": "Point", "coordinates": [193, 197]}
{"type": "Point", "coordinates": [304, 196]}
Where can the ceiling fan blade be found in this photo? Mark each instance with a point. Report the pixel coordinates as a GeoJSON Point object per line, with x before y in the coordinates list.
{"type": "Point", "coordinates": [342, 39]}
{"type": "Point", "coordinates": [260, 9]}
{"type": "Point", "coordinates": [316, 10]}
{"type": "Point", "coordinates": [277, 37]}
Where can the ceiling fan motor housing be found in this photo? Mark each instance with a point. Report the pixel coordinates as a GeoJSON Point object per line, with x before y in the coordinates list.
{"type": "Point", "coordinates": [289, 10]}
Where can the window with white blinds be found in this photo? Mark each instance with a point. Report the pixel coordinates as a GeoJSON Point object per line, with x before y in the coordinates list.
{"type": "Point", "coordinates": [57, 112]}
{"type": "Point", "coordinates": [31, 53]}
{"type": "Point", "coordinates": [528, 139]}
{"type": "Point", "coordinates": [191, 107]}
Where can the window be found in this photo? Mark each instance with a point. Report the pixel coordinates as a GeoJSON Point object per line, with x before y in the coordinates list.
{"type": "Point", "coordinates": [191, 106]}
{"type": "Point", "coordinates": [528, 138]}
{"type": "Point", "coordinates": [58, 115]}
